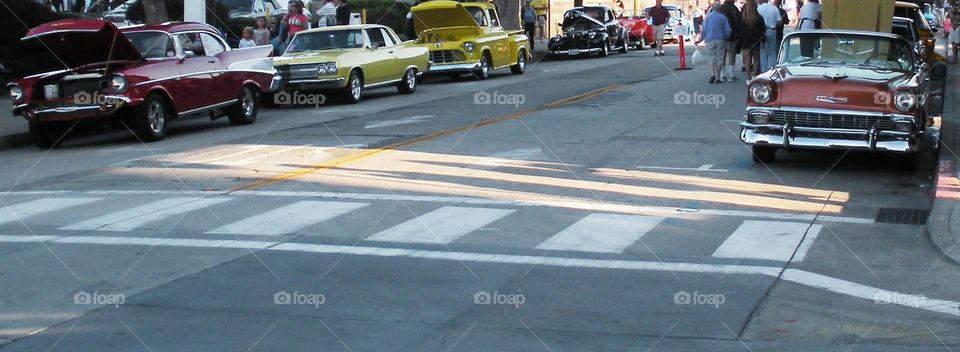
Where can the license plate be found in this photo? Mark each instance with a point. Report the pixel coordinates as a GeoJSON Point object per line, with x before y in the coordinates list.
{"type": "Point", "coordinates": [573, 52]}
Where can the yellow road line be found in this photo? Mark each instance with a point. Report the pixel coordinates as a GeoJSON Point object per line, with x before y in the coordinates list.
{"type": "Point", "coordinates": [329, 164]}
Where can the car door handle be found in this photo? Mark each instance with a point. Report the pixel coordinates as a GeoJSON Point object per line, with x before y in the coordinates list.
{"type": "Point", "coordinates": [211, 61]}
{"type": "Point", "coordinates": [390, 52]}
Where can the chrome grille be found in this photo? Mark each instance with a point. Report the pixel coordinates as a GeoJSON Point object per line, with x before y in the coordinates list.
{"type": "Point", "coordinates": [298, 71]}
{"type": "Point", "coordinates": [823, 120]}
{"type": "Point", "coordinates": [446, 56]}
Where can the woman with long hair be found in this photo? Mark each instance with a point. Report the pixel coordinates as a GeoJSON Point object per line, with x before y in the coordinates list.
{"type": "Point", "coordinates": [751, 34]}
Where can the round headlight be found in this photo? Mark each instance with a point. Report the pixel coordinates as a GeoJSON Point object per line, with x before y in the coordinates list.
{"type": "Point", "coordinates": [322, 69]}
{"type": "Point", "coordinates": [760, 93]}
{"type": "Point", "coordinates": [118, 84]}
{"type": "Point", "coordinates": [16, 93]}
{"type": "Point", "coordinates": [904, 100]}
{"type": "Point", "coordinates": [332, 68]}
{"type": "Point", "coordinates": [468, 46]}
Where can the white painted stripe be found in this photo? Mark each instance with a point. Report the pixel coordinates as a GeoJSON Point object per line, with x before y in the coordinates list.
{"type": "Point", "coordinates": [18, 212]}
{"type": "Point", "coordinates": [768, 240]}
{"type": "Point", "coordinates": [131, 219]}
{"type": "Point", "coordinates": [403, 121]}
{"type": "Point", "coordinates": [258, 156]}
{"type": "Point", "coordinates": [587, 205]}
{"type": "Point", "coordinates": [167, 242]}
{"type": "Point", "coordinates": [792, 275]}
{"type": "Point", "coordinates": [601, 233]}
{"type": "Point", "coordinates": [441, 226]}
{"type": "Point", "coordinates": [704, 167]}
{"type": "Point", "coordinates": [877, 295]}
{"type": "Point", "coordinates": [288, 219]}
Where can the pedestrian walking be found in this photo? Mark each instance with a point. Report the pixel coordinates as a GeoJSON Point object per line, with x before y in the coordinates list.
{"type": "Point", "coordinates": [327, 14]}
{"type": "Point", "coordinates": [772, 20]}
{"type": "Point", "coordinates": [529, 22]}
{"type": "Point", "coordinates": [296, 20]}
{"type": "Point", "coordinates": [730, 10]}
{"type": "Point", "coordinates": [696, 16]}
{"type": "Point", "coordinates": [659, 16]}
{"type": "Point", "coordinates": [716, 32]}
{"type": "Point", "coordinates": [954, 37]}
{"type": "Point", "coordinates": [541, 6]}
{"type": "Point", "coordinates": [785, 19]}
{"type": "Point", "coordinates": [810, 14]}
{"type": "Point", "coordinates": [751, 37]}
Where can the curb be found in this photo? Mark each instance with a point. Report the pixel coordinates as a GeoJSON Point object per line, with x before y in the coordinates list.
{"type": "Point", "coordinates": [943, 231]}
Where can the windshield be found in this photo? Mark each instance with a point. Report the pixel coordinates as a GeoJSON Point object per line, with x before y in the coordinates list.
{"type": "Point", "coordinates": [575, 20]}
{"type": "Point", "coordinates": [847, 49]}
{"type": "Point", "coordinates": [326, 40]}
{"type": "Point", "coordinates": [152, 45]}
{"type": "Point", "coordinates": [478, 15]}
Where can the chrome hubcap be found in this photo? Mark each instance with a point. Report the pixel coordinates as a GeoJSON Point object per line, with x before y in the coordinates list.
{"type": "Point", "coordinates": [522, 61]}
{"type": "Point", "coordinates": [484, 66]}
{"type": "Point", "coordinates": [355, 88]}
{"type": "Point", "coordinates": [246, 103]}
{"type": "Point", "coordinates": [411, 79]}
{"type": "Point", "coordinates": [155, 117]}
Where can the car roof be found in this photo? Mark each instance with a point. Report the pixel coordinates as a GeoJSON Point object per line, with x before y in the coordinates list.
{"type": "Point", "coordinates": [171, 27]}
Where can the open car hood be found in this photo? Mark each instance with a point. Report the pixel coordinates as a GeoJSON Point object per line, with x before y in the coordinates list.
{"type": "Point", "coordinates": [79, 42]}
{"type": "Point", "coordinates": [441, 14]}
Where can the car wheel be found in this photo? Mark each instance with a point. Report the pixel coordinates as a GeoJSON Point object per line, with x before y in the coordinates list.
{"type": "Point", "coordinates": [483, 72]}
{"type": "Point", "coordinates": [48, 135]}
{"type": "Point", "coordinates": [408, 84]}
{"type": "Point", "coordinates": [150, 119]}
{"type": "Point", "coordinates": [245, 111]}
{"type": "Point", "coordinates": [606, 49]}
{"type": "Point", "coordinates": [521, 65]}
{"type": "Point", "coordinates": [623, 45]}
{"type": "Point", "coordinates": [643, 43]}
{"type": "Point", "coordinates": [763, 154]}
{"type": "Point", "coordinates": [354, 89]}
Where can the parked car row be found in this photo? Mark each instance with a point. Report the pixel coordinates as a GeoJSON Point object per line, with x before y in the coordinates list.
{"type": "Point", "coordinates": [142, 77]}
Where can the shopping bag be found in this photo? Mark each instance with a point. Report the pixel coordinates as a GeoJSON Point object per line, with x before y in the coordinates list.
{"type": "Point", "coordinates": [698, 57]}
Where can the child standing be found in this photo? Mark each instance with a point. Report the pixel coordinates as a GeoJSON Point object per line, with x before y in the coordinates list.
{"type": "Point", "coordinates": [261, 35]}
{"type": "Point", "coordinates": [247, 41]}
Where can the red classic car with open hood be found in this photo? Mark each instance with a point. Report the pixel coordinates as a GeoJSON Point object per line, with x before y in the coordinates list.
{"type": "Point", "coordinates": [844, 90]}
{"type": "Point", "coordinates": [142, 76]}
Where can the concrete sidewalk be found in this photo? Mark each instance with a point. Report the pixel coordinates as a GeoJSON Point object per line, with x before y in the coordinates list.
{"type": "Point", "coordinates": [943, 224]}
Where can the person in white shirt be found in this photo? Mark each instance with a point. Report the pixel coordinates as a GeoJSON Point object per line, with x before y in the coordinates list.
{"type": "Point", "coordinates": [809, 19]}
{"type": "Point", "coordinates": [768, 49]}
{"type": "Point", "coordinates": [247, 40]}
{"type": "Point", "coordinates": [327, 14]}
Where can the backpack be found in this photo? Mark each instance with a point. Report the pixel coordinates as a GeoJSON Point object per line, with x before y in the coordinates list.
{"type": "Point", "coordinates": [529, 15]}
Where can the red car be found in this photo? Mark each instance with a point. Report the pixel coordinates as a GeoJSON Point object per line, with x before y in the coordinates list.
{"type": "Point", "coordinates": [142, 76]}
{"type": "Point", "coordinates": [639, 33]}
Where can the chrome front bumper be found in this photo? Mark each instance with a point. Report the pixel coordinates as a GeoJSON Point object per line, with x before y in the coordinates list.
{"type": "Point", "coordinates": [72, 112]}
{"type": "Point", "coordinates": [574, 52]}
{"type": "Point", "coordinates": [453, 68]}
{"type": "Point", "coordinates": [786, 136]}
{"type": "Point", "coordinates": [278, 84]}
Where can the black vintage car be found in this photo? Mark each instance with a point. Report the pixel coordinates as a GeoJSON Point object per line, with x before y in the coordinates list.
{"type": "Point", "coordinates": [589, 30]}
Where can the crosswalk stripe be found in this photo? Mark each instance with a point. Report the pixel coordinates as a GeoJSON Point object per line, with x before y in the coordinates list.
{"type": "Point", "coordinates": [18, 212]}
{"type": "Point", "coordinates": [601, 233]}
{"type": "Point", "coordinates": [288, 219]}
{"type": "Point", "coordinates": [441, 226]}
{"type": "Point", "coordinates": [133, 218]}
{"type": "Point", "coordinates": [768, 240]}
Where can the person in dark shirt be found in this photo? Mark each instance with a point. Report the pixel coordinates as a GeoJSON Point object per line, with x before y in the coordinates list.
{"type": "Point", "coordinates": [730, 10]}
{"type": "Point", "coordinates": [659, 15]}
{"type": "Point", "coordinates": [343, 13]}
{"type": "Point", "coordinates": [784, 20]}
{"type": "Point", "coordinates": [752, 32]}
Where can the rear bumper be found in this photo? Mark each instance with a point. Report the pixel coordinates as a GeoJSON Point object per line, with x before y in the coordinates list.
{"type": "Point", "coordinates": [786, 136]}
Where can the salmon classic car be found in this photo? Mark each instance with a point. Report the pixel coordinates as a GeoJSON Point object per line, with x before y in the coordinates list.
{"type": "Point", "coordinates": [847, 90]}
{"type": "Point", "coordinates": [143, 76]}
{"type": "Point", "coordinates": [466, 38]}
{"type": "Point", "coordinates": [348, 60]}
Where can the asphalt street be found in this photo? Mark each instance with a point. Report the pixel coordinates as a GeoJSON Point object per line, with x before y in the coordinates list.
{"type": "Point", "coordinates": [596, 204]}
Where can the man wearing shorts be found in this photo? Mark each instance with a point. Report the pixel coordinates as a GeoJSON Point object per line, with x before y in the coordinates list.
{"type": "Point", "coordinates": [716, 30]}
{"type": "Point", "coordinates": [659, 16]}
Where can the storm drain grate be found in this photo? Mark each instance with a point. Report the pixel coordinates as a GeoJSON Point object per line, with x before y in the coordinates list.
{"type": "Point", "coordinates": [902, 216]}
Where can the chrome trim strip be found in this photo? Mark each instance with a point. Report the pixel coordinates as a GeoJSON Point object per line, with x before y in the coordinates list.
{"type": "Point", "coordinates": [197, 74]}
{"type": "Point", "coordinates": [60, 31]}
{"type": "Point", "coordinates": [208, 107]}
{"type": "Point", "coordinates": [382, 83]}
{"type": "Point", "coordinates": [320, 80]}
{"type": "Point", "coordinates": [826, 111]}
{"type": "Point", "coordinates": [567, 52]}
